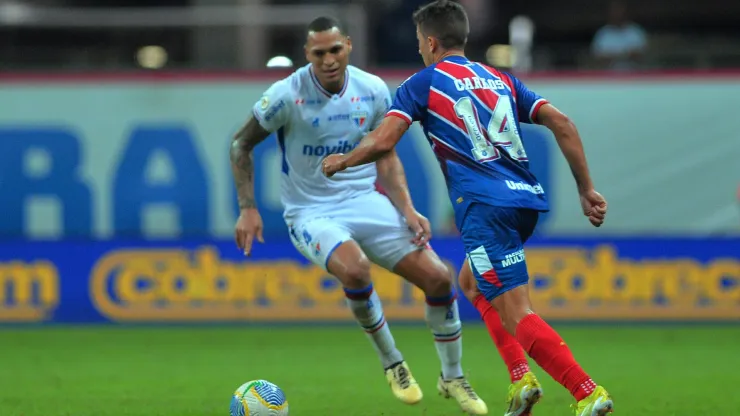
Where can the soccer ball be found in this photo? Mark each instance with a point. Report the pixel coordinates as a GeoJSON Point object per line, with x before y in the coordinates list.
{"type": "Point", "coordinates": [259, 398]}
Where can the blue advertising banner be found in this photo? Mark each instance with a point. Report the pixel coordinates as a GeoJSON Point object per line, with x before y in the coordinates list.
{"type": "Point", "coordinates": [105, 158]}
{"type": "Point", "coordinates": [210, 281]}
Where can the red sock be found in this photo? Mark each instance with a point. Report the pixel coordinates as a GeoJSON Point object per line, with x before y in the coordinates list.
{"type": "Point", "coordinates": [549, 351]}
{"type": "Point", "coordinates": [509, 348]}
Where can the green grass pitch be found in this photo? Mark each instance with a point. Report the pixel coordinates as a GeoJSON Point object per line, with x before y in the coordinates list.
{"type": "Point", "coordinates": [184, 371]}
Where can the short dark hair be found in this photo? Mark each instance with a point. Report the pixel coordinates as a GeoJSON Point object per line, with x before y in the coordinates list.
{"type": "Point", "coordinates": [324, 23]}
{"type": "Point", "coordinates": [446, 21]}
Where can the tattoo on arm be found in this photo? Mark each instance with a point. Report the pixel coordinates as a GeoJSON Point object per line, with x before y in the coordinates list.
{"type": "Point", "coordinates": [242, 164]}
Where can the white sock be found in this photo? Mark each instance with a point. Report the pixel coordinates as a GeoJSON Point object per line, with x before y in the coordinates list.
{"type": "Point", "coordinates": [365, 305]}
{"type": "Point", "coordinates": [443, 319]}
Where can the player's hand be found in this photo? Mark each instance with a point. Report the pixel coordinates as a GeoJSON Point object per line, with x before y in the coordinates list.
{"type": "Point", "coordinates": [333, 164]}
{"type": "Point", "coordinates": [248, 226]}
{"type": "Point", "coordinates": [420, 226]}
{"type": "Point", "coordinates": [594, 207]}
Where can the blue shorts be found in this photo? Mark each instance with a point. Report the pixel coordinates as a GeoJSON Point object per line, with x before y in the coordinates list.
{"type": "Point", "coordinates": [494, 240]}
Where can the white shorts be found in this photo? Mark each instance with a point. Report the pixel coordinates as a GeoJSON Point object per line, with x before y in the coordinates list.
{"type": "Point", "coordinates": [371, 220]}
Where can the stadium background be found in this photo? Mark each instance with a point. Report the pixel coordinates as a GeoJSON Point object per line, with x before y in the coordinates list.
{"type": "Point", "coordinates": [118, 204]}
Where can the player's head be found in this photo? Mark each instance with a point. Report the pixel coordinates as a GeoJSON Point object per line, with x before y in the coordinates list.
{"type": "Point", "coordinates": [327, 49]}
{"type": "Point", "coordinates": [441, 26]}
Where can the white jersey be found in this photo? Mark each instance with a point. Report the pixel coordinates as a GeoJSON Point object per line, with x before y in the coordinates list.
{"type": "Point", "coordinates": [311, 123]}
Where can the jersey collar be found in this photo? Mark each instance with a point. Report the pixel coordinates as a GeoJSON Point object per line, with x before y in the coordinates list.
{"type": "Point", "coordinates": [323, 90]}
{"type": "Point", "coordinates": [456, 59]}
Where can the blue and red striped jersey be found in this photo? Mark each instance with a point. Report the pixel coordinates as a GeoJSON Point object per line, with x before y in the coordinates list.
{"type": "Point", "coordinates": [470, 114]}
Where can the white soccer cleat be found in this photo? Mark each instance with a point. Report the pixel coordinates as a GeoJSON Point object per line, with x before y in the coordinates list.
{"type": "Point", "coordinates": [463, 393]}
{"type": "Point", "coordinates": [403, 384]}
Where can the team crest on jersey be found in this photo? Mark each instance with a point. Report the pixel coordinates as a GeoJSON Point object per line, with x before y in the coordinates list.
{"type": "Point", "coordinates": [359, 117]}
{"type": "Point", "coordinates": [264, 103]}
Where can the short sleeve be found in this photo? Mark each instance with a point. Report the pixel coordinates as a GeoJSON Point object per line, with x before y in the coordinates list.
{"type": "Point", "coordinates": [382, 104]}
{"type": "Point", "coordinates": [273, 109]}
{"type": "Point", "coordinates": [528, 103]}
{"type": "Point", "coordinates": [412, 98]}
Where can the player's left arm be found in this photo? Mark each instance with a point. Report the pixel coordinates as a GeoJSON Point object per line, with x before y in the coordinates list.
{"type": "Point", "coordinates": [534, 109]}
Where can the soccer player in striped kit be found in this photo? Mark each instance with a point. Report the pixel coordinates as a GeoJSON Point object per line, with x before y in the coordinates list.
{"type": "Point", "coordinates": [471, 113]}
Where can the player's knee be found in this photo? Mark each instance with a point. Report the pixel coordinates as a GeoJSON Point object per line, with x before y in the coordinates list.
{"type": "Point", "coordinates": [357, 274]}
{"type": "Point", "coordinates": [439, 281]}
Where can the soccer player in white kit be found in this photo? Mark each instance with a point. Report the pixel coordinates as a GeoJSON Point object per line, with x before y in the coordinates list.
{"type": "Point", "coordinates": [342, 224]}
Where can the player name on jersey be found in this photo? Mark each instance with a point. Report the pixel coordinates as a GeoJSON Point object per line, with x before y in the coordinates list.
{"type": "Point", "coordinates": [478, 83]}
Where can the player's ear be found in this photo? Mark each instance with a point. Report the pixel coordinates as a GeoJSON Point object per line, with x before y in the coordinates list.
{"type": "Point", "coordinates": [432, 44]}
{"type": "Point", "coordinates": [349, 44]}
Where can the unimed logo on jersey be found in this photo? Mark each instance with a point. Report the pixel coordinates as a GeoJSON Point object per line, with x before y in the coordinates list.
{"type": "Point", "coordinates": [343, 146]}
{"type": "Point", "coordinates": [183, 285]}
{"type": "Point", "coordinates": [521, 186]}
{"type": "Point", "coordinates": [29, 292]}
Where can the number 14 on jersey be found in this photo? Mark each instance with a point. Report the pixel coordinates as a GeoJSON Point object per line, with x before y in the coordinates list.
{"type": "Point", "coordinates": [501, 132]}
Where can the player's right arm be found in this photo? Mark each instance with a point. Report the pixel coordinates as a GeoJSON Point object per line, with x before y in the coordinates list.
{"type": "Point", "coordinates": [242, 163]}
{"type": "Point", "coordinates": [269, 114]}
{"type": "Point", "coordinates": [408, 106]}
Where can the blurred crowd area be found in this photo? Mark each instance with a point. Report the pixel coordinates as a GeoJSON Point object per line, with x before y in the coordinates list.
{"type": "Point", "coordinates": [536, 35]}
